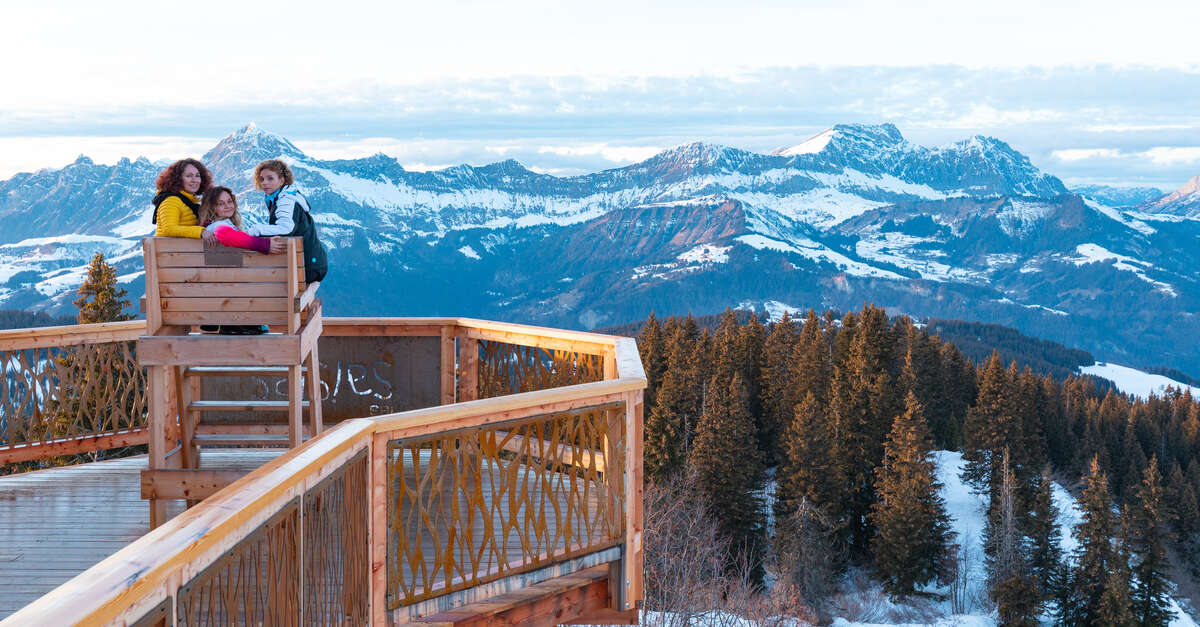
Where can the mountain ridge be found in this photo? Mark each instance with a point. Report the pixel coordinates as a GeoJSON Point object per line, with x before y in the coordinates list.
{"type": "Point", "coordinates": [969, 230]}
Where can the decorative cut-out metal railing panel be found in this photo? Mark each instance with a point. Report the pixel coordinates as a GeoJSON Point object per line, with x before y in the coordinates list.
{"type": "Point", "coordinates": [308, 564]}
{"type": "Point", "coordinates": [471, 506]}
{"type": "Point", "coordinates": [336, 550]}
{"type": "Point", "coordinates": [257, 582]}
{"type": "Point", "coordinates": [511, 368]}
{"type": "Point", "coordinates": [68, 392]}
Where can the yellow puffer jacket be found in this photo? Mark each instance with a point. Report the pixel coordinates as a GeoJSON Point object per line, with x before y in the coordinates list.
{"type": "Point", "coordinates": [175, 219]}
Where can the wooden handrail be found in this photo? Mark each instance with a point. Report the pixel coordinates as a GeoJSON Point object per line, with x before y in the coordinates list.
{"type": "Point", "coordinates": [71, 335]}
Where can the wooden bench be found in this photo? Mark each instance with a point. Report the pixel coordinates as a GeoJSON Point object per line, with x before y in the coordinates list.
{"type": "Point", "coordinates": [189, 284]}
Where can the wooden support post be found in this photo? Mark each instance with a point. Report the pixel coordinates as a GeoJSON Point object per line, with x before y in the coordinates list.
{"type": "Point", "coordinates": [295, 407]}
{"type": "Point", "coordinates": [633, 501]}
{"type": "Point", "coordinates": [293, 280]}
{"type": "Point", "coordinates": [610, 365]}
{"type": "Point", "coordinates": [196, 392]}
{"type": "Point", "coordinates": [156, 396]}
{"type": "Point", "coordinates": [313, 363]}
{"type": "Point", "coordinates": [448, 365]}
{"type": "Point", "coordinates": [153, 310]}
{"type": "Point", "coordinates": [183, 395]}
{"type": "Point", "coordinates": [468, 367]}
{"type": "Point", "coordinates": [379, 532]}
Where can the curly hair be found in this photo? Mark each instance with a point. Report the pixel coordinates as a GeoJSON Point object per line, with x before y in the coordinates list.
{"type": "Point", "coordinates": [171, 179]}
{"type": "Point", "coordinates": [276, 166]}
{"type": "Point", "coordinates": [208, 206]}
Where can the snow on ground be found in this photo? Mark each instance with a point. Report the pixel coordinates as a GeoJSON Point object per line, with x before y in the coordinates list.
{"type": "Point", "coordinates": [1134, 381]}
{"type": "Point", "coordinates": [706, 253]}
{"type": "Point", "coordinates": [818, 252]}
{"type": "Point", "coordinates": [1094, 253]}
{"type": "Point", "coordinates": [469, 252]}
{"type": "Point", "coordinates": [1123, 218]}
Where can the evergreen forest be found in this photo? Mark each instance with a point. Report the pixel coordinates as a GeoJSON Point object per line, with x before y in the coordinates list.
{"type": "Point", "coordinates": [809, 444]}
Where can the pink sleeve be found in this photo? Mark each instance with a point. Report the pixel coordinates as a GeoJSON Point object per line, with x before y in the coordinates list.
{"type": "Point", "coordinates": [230, 236]}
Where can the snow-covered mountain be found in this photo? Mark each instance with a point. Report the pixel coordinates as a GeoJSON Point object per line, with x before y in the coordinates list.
{"type": "Point", "coordinates": [1119, 197]}
{"type": "Point", "coordinates": [1184, 201]}
{"type": "Point", "coordinates": [858, 213]}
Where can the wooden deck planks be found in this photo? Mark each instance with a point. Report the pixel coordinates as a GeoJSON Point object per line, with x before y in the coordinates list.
{"type": "Point", "coordinates": [57, 523]}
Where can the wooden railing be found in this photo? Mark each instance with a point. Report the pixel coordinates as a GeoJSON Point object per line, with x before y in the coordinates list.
{"type": "Point", "coordinates": [70, 390]}
{"type": "Point", "coordinates": [379, 513]}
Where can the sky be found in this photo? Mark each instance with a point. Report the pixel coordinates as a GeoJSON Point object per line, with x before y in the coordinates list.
{"type": "Point", "coordinates": [1094, 92]}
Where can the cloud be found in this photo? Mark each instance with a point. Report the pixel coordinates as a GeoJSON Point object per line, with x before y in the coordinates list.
{"type": "Point", "coordinates": [1080, 154]}
{"type": "Point", "coordinates": [1173, 155]}
{"type": "Point", "coordinates": [573, 123]}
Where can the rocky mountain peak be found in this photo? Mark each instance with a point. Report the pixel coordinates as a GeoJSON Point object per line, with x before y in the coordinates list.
{"type": "Point", "coordinates": [1184, 201]}
{"type": "Point", "coordinates": [250, 144]}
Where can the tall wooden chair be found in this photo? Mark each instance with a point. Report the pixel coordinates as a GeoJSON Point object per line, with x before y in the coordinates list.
{"type": "Point", "coordinates": [190, 284]}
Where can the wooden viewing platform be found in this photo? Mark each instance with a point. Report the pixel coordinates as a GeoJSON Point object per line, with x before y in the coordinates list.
{"type": "Point", "coordinates": [467, 471]}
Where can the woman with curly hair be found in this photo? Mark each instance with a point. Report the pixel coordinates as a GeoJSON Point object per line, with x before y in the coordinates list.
{"type": "Point", "coordinates": [177, 202]}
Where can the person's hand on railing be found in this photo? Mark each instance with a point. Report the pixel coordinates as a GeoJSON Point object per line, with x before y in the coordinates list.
{"type": "Point", "coordinates": [278, 245]}
{"type": "Point", "coordinates": [209, 237]}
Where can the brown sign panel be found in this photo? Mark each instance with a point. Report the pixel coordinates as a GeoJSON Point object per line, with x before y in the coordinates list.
{"type": "Point", "coordinates": [360, 376]}
{"type": "Point", "coordinates": [221, 255]}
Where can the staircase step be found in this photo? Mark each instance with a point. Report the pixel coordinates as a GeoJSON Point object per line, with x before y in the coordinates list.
{"type": "Point", "coordinates": [233, 439]}
{"type": "Point", "coordinates": [242, 405]}
{"type": "Point", "coordinates": [240, 371]}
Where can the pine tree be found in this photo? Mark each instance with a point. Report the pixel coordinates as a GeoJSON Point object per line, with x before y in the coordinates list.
{"type": "Point", "coordinates": [811, 364]}
{"type": "Point", "coordinates": [676, 407]}
{"type": "Point", "coordinates": [992, 426]}
{"type": "Point", "coordinates": [806, 473]}
{"type": "Point", "coordinates": [1011, 588]}
{"type": "Point", "coordinates": [651, 346]}
{"type": "Point", "coordinates": [1114, 607]}
{"type": "Point", "coordinates": [728, 467]}
{"type": "Point", "coordinates": [100, 300]}
{"type": "Point", "coordinates": [1045, 549]}
{"type": "Point", "coordinates": [776, 387]}
{"type": "Point", "coordinates": [912, 539]}
{"type": "Point", "coordinates": [1096, 557]}
{"type": "Point", "coordinates": [1147, 541]}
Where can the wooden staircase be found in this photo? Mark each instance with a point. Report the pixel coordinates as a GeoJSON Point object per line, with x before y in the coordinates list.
{"type": "Point", "coordinates": [188, 285]}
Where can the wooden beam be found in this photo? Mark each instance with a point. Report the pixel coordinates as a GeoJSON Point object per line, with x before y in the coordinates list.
{"type": "Point", "coordinates": [295, 406]}
{"type": "Point", "coordinates": [551, 602]}
{"type": "Point", "coordinates": [447, 365]}
{"type": "Point", "coordinates": [223, 303]}
{"type": "Point", "coordinates": [73, 446]}
{"type": "Point", "coordinates": [306, 297]}
{"type": "Point", "coordinates": [265, 289]}
{"type": "Point", "coordinates": [71, 335]}
{"type": "Point", "coordinates": [188, 483]}
{"type": "Point", "coordinates": [293, 277]}
{"type": "Point", "coordinates": [150, 264]}
{"type": "Point", "coordinates": [548, 343]}
{"type": "Point", "coordinates": [468, 368]}
{"type": "Point", "coordinates": [219, 350]}
{"type": "Point", "coordinates": [220, 275]}
{"type": "Point", "coordinates": [313, 373]}
{"type": "Point", "coordinates": [378, 533]}
{"type": "Point", "coordinates": [156, 396]}
{"type": "Point", "coordinates": [633, 558]}
{"type": "Point", "coordinates": [274, 406]}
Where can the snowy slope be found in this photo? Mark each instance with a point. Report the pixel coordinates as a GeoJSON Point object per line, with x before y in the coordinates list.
{"type": "Point", "coordinates": [1134, 381]}
{"type": "Point", "coordinates": [967, 511]}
